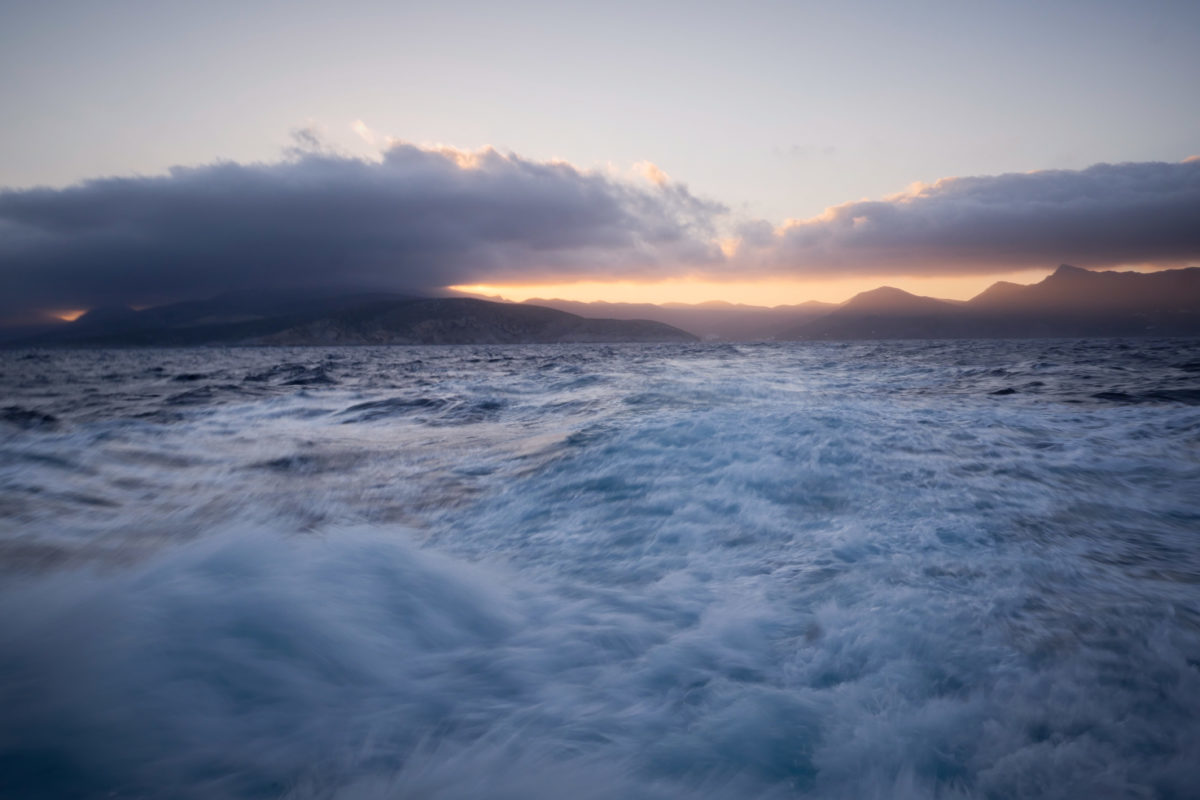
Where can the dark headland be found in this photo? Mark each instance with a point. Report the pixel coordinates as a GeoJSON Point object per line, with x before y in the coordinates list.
{"type": "Point", "coordinates": [357, 319]}
{"type": "Point", "coordinates": [1071, 302]}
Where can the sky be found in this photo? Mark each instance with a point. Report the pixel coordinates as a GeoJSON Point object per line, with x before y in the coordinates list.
{"type": "Point", "coordinates": [764, 152]}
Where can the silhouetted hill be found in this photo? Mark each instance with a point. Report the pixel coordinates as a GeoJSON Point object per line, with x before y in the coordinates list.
{"type": "Point", "coordinates": [713, 320]}
{"type": "Point", "coordinates": [226, 318]}
{"type": "Point", "coordinates": [1072, 288]}
{"type": "Point", "coordinates": [30, 331]}
{"type": "Point", "coordinates": [999, 294]}
{"type": "Point", "coordinates": [103, 317]}
{"type": "Point", "coordinates": [883, 313]}
{"type": "Point", "coordinates": [461, 320]}
{"type": "Point", "coordinates": [299, 319]}
{"type": "Point", "coordinates": [1072, 302]}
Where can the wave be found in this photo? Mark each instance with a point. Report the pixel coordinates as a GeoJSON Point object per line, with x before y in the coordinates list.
{"type": "Point", "coordinates": [769, 571]}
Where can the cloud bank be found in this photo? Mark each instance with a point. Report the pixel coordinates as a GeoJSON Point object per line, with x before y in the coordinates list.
{"type": "Point", "coordinates": [419, 219]}
{"type": "Point", "coordinates": [426, 218]}
{"type": "Point", "coordinates": [1105, 215]}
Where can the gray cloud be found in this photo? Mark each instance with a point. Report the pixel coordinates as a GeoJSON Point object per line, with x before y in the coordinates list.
{"type": "Point", "coordinates": [422, 219]}
{"type": "Point", "coordinates": [1105, 215]}
{"type": "Point", "coordinates": [419, 219]}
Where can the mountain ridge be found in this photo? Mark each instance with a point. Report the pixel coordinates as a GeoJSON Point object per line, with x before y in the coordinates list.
{"type": "Point", "coordinates": [1070, 302]}
{"type": "Point", "coordinates": [714, 320]}
{"type": "Point", "coordinates": [464, 320]}
{"type": "Point", "coordinates": [354, 319]}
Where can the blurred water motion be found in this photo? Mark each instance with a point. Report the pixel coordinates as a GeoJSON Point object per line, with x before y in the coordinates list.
{"type": "Point", "coordinates": [903, 570]}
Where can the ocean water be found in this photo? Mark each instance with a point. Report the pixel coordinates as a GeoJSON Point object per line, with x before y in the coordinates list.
{"type": "Point", "coordinates": [899, 570]}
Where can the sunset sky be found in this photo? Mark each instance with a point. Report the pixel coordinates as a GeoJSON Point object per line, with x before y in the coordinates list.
{"type": "Point", "coordinates": [759, 152]}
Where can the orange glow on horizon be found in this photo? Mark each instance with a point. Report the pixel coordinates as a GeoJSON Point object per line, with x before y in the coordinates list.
{"type": "Point", "coordinates": [765, 292]}
{"type": "Point", "coordinates": [70, 315]}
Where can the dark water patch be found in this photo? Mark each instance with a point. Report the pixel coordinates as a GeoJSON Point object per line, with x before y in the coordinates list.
{"type": "Point", "coordinates": [19, 557]}
{"type": "Point", "coordinates": [310, 463]}
{"type": "Point", "coordinates": [476, 470]}
{"type": "Point", "coordinates": [204, 395]}
{"type": "Point", "coordinates": [300, 413]}
{"type": "Point", "coordinates": [1189, 397]}
{"type": "Point", "coordinates": [293, 375]}
{"type": "Point", "coordinates": [391, 407]}
{"type": "Point", "coordinates": [468, 412]}
{"type": "Point", "coordinates": [188, 377]}
{"type": "Point", "coordinates": [652, 399]}
{"type": "Point", "coordinates": [28, 418]}
{"type": "Point", "coordinates": [582, 382]}
{"type": "Point", "coordinates": [56, 461]}
{"type": "Point", "coordinates": [193, 397]}
{"type": "Point", "coordinates": [86, 499]}
{"type": "Point", "coordinates": [159, 416]}
{"type": "Point", "coordinates": [157, 458]}
{"type": "Point", "coordinates": [1005, 391]}
{"type": "Point", "coordinates": [411, 366]}
{"type": "Point", "coordinates": [313, 378]}
{"type": "Point", "coordinates": [590, 435]}
{"type": "Point", "coordinates": [431, 410]}
{"type": "Point", "coordinates": [563, 407]}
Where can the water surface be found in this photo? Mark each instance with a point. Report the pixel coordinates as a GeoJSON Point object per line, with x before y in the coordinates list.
{"type": "Point", "coordinates": [826, 570]}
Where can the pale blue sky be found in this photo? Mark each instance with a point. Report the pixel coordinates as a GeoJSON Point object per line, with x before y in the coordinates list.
{"type": "Point", "coordinates": [776, 109]}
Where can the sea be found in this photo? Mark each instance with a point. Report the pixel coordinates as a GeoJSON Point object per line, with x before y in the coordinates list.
{"type": "Point", "coordinates": [787, 570]}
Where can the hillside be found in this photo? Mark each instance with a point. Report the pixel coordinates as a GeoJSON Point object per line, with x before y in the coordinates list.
{"type": "Point", "coordinates": [1072, 302]}
{"type": "Point", "coordinates": [468, 321]}
{"type": "Point", "coordinates": [711, 321]}
{"type": "Point", "coordinates": [884, 313]}
{"type": "Point", "coordinates": [343, 319]}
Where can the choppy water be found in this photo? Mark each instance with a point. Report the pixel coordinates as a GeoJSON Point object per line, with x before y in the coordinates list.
{"type": "Point", "coordinates": [630, 572]}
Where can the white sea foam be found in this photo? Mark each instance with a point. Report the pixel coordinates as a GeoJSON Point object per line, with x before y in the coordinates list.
{"type": "Point", "coordinates": [636, 572]}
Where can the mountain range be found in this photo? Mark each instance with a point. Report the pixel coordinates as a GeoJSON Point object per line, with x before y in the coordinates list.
{"type": "Point", "coordinates": [304, 318]}
{"type": "Point", "coordinates": [1071, 302]}
{"type": "Point", "coordinates": [716, 320]}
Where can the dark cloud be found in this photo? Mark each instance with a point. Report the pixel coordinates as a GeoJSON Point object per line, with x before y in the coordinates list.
{"type": "Point", "coordinates": [419, 219]}
{"type": "Point", "coordinates": [1105, 215]}
{"type": "Point", "coordinates": [423, 218]}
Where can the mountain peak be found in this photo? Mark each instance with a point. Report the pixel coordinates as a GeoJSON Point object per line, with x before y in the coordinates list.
{"type": "Point", "coordinates": [886, 297]}
{"type": "Point", "coordinates": [1069, 271]}
{"type": "Point", "coordinates": [1000, 292]}
{"type": "Point", "coordinates": [883, 292]}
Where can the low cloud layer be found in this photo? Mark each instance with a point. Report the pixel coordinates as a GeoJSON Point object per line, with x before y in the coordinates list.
{"type": "Point", "coordinates": [420, 219]}
{"type": "Point", "coordinates": [423, 218]}
{"type": "Point", "coordinates": [1105, 215]}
